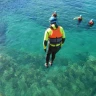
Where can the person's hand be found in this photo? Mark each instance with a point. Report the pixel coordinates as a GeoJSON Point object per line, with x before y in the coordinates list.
{"type": "Point", "coordinates": [45, 50]}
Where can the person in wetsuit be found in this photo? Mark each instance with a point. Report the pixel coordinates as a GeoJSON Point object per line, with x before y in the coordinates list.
{"type": "Point", "coordinates": [54, 38]}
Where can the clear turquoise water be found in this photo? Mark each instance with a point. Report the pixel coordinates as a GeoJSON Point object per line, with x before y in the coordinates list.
{"type": "Point", "coordinates": [23, 23]}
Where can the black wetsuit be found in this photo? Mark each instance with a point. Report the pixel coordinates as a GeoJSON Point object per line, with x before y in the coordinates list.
{"type": "Point", "coordinates": [53, 51]}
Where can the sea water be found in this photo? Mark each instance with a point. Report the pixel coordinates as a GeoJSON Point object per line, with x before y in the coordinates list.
{"type": "Point", "coordinates": [22, 58]}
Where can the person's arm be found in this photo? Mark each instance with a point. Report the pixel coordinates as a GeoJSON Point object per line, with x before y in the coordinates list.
{"type": "Point", "coordinates": [45, 40]}
{"type": "Point", "coordinates": [63, 35]}
{"type": "Point", "coordinates": [75, 18]}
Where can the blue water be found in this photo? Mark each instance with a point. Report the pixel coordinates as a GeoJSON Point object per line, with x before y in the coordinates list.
{"type": "Point", "coordinates": [22, 27]}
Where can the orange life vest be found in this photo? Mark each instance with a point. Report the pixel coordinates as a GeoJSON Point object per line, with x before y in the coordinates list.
{"type": "Point", "coordinates": [56, 36]}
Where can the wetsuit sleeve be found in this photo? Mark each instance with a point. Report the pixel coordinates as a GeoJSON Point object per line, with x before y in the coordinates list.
{"type": "Point", "coordinates": [63, 35]}
{"type": "Point", "coordinates": [46, 35]}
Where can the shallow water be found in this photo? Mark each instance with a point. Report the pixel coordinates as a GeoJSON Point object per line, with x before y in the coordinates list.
{"type": "Point", "coordinates": [21, 45]}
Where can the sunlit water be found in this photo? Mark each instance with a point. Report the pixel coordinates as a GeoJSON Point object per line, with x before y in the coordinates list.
{"type": "Point", "coordinates": [22, 27]}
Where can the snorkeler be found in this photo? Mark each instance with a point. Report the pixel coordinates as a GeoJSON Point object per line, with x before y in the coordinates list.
{"type": "Point", "coordinates": [91, 23]}
{"type": "Point", "coordinates": [54, 14]}
{"type": "Point", "coordinates": [54, 38]}
{"type": "Point", "coordinates": [79, 18]}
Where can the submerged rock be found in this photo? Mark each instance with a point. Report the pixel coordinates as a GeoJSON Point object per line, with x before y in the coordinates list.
{"type": "Point", "coordinates": [2, 94]}
{"type": "Point", "coordinates": [92, 58]}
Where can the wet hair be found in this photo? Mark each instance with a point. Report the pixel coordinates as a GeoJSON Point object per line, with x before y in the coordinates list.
{"type": "Point", "coordinates": [54, 14]}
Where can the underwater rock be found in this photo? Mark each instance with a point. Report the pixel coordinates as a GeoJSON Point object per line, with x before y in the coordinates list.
{"type": "Point", "coordinates": [82, 56]}
{"type": "Point", "coordinates": [91, 58]}
{"type": "Point", "coordinates": [3, 29]}
{"type": "Point", "coordinates": [2, 94]}
{"type": "Point", "coordinates": [15, 83]}
{"type": "Point", "coordinates": [93, 92]}
{"type": "Point", "coordinates": [64, 61]}
{"type": "Point", "coordinates": [6, 61]}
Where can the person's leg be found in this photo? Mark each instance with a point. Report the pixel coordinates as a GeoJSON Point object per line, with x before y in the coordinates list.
{"type": "Point", "coordinates": [48, 56]}
{"type": "Point", "coordinates": [52, 58]}
{"type": "Point", "coordinates": [56, 49]}
{"type": "Point", "coordinates": [47, 59]}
